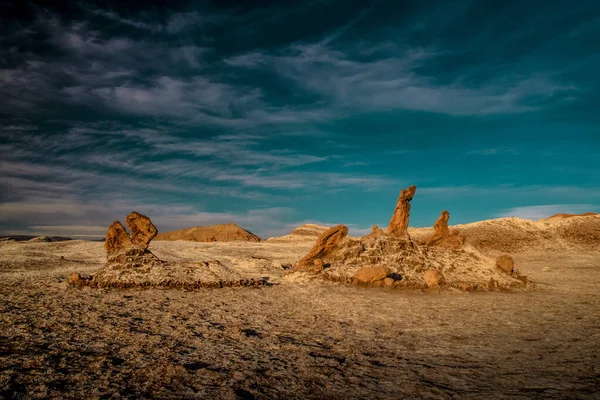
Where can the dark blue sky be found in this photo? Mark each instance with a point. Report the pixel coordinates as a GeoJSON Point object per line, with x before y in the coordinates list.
{"type": "Point", "coordinates": [273, 114]}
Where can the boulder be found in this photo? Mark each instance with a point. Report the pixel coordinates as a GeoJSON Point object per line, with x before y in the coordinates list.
{"type": "Point", "coordinates": [324, 245]}
{"type": "Point", "coordinates": [371, 274]}
{"type": "Point", "coordinates": [142, 229]}
{"type": "Point", "coordinates": [505, 263]}
{"type": "Point", "coordinates": [399, 223]}
{"type": "Point", "coordinates": [433, 277]}
{"type": "Point", "coordinates": [117, 238]}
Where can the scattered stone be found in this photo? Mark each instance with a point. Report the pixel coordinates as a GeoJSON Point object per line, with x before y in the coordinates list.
{"type": "Point", "coordinates": [142, 229]}
{"type": "Point", "coordinates": [117, 238]}
{"type": "Point", "coordinates": [371, 274]}
{"type": "Point", "coordinates": [433, 277]}
{"type": "Point", "coordinates": [399, 223]}
{"type": "Point", "coordinates": [506, 263]}
{"type": "Point", "coordinates": [324, 245]}
{"type": "Point", "coordinates": [388, 282]}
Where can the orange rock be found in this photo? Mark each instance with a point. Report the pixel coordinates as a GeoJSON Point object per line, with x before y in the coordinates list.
{"type": "Point", "coordinates": [323, 246]}
{"type": "Point", "coordinates": [371, 274]}
{"type": "Point", "coordinates": [117, 238]}
{"type": "Point", "coordinates": [388, 282]}
{"type": "Point", "coordinates": [440, 228]}
{"type": "Point", "coordinates": [442, 236]}
{"type": "Point", "coordinates": [399, 223]}
{"type": "Point", "coordinates": [505, 263]}
{"type": "Point", "coordinates": [318, 266]}
{"type": "Point", "coordinates": [433, 277]}
{"type": "Point", "coordinates": [142, 229]}
{"type": "Point", "coordinates": [76, 280]}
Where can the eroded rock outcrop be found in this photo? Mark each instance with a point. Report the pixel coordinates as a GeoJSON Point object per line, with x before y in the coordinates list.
{"type": "Point", "coordinates": [399, 223]}
{"type": "Point", "coordinates": [443, 236]}
{"type": "Point", "coordinates": [142, 229]}
{"type": "Point", "coordinates": [324, 245]}
{"type": "Point", "coordinates": [393, 260]}
{"type": "Point", "coordinates": [117, 238]}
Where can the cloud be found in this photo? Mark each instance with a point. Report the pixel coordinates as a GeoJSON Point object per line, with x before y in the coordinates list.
{"type": "Point", "coordinates": [544, 211]}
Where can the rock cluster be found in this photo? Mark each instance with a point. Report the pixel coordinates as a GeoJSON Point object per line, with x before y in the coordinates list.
{"type": "Point", "coordinates": [399, 223]}
{"type": "Point", "coordinates": [130, 264]}
{"type": "Point", "coordinates": [392, 259]}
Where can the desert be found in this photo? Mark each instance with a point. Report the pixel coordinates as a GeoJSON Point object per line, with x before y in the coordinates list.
{"type": "Point", "coordinates": [301, 333]}
{"type": "Point", "coordinates": [322, 199]}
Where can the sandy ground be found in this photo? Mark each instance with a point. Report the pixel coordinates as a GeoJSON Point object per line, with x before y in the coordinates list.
{"type": "Point", "coordinates": [298, 338]}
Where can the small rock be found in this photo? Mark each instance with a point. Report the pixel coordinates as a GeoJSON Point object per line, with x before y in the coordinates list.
{"type": "Point", "coordinates": [371, 274]}
{"type": "Point", "coordinates": [388, 282]}
{"type": "Point", "coordinates": [433, 277]}
{"type": "Point", "coordinates": [505, 263]}
{"type": "Point", "coordinates": [76, 280]}
{"type": "Point", "coordinates": [318, 266]}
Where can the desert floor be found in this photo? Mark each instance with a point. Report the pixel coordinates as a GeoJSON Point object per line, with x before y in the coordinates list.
{"type": "Point", "coordinates": [299, 338]}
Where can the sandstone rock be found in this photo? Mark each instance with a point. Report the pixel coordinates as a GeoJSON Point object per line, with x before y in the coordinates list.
{"type": "Point", "coordinates": [440, 228]}
{"type": "Point", "coordinates": [505, 263]}
{"type": "Point", "coordinates": [375, 230]}
{"type": "Point", "coordinates": [142, 229]}
{"type": "Point", "coordinates": [77, 280]}
{"type": "Point", "coordinates": [399, 223]}
{"type": "Point", "coordinates": [433, 277]}
{"type": "Point", "coordinates": [443, 236]}
{"type": "Point", "coordinates": [318, 266]}
{"type": "Point", "coordinates": [388, 282]}
{"type": "Point", "coordinates": [323, 246]}
{"type": "Point", "coordinates": [117, 238]}
{"type": "Point", "coordinates": [371, 274]}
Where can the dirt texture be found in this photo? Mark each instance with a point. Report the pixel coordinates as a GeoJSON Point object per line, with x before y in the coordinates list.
{"type": "Point", "coordinates": [301, 338]}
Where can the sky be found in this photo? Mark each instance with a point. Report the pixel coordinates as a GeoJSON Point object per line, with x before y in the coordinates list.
{"type": "Point", "coordinates": [274, 114]}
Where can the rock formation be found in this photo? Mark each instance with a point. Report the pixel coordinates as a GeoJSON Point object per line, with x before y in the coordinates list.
{"type": "Point", "coordinates": [211, 233]}
{"type": "Point", "coordinates": [142, 229]}
{"type": "Point", "coordinates": [324, 245]}
{"type": "Point", "coordinates": [443, 236]}
{"type": "Point", "coordinates": [117, 238]}
{"type": "Point", "coordinates": [399, 223]}
{"type": "Point", "coordinates": [393, 260]}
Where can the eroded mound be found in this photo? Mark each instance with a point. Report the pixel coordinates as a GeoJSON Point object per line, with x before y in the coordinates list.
{"type": "Point", "coordinates": [212, 233]}
{"type": "Point", "coordinates": [392, 259]}
{"type": "Point", "coordinates": [303, 233]}
{"type": "Point", "coordinates": [130, 264]}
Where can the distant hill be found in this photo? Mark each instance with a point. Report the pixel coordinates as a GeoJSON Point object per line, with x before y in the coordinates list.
{"type": "Point", "coordinates": [302, 233]}
{"type": "Point", "coordinates": [211, 233]}
{"type": "Point", "coordinates": [22, 238]}
{"type": "Point", "coordinates": [516, 235]}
